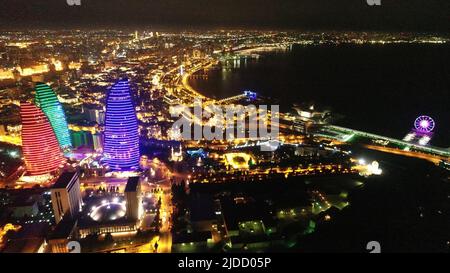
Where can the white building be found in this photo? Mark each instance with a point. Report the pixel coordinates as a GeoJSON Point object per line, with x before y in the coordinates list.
{"type": "Point", "coordinates": [66, 195]}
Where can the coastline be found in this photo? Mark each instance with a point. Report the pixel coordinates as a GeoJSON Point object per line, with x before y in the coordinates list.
{"type": "Point", "coordinates": [249, 52]}
{"type": "Point", "coordinates": [188, 87]}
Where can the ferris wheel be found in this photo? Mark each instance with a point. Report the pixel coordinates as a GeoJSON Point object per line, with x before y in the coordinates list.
{"type": "Point", "coordinates": [424, 124]}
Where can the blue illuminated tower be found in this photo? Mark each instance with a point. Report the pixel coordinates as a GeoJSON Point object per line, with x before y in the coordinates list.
{"type": "Point", "coordinates": [121, 147]}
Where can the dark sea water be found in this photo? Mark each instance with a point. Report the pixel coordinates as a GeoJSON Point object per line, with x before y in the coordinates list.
{"type": "Point", "coordinates": [378, 88]}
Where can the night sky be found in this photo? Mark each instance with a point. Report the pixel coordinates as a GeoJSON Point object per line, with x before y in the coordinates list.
{"type": "Point", "coordinates": [397, 15]}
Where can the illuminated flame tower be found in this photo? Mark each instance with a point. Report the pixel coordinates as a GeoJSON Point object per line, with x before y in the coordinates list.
{"type": "Point", "coordinates": [121, 148]}
{"type": "Point", "coordinates": [46, 100]}
{"type": "Point", "coordinates": [40, 147]}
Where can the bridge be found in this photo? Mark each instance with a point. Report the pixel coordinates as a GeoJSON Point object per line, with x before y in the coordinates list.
{"type": "Point", "coordinates": [231, 99]}
{"type": "Point", "coordinates": [347, 134]}
{"type": "Point", "coordinates": [246, 95]}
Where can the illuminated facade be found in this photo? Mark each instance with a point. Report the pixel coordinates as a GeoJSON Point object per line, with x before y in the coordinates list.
{"type": "Point", "coordinates": [121, 147]}
{"type": "Point", "coordinates": [46, 99]}
{"type": "Point", "coordinates": [176, 156]}
{"type": "Point", "coordinates": [133, 198]}
{"type": "Point", "coordinates": [422, 131]}
{"type": "Point", "coordinates": [66, 196]}
{"type": "Point", "coordinates": [239, 160]}
{"type": "Point", "coordinates": [40, 147]}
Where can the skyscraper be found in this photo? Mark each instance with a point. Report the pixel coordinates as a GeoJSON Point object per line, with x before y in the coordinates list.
{"type": "Point", "coordinates": [40, 148]}
{"type": "Point", "coordinates": [133, 198]}
{"type": "Point", "coordinates": [66, 196]}
{"type": "Point", "coordinates": [46, 100]}
{"type": "Point", "coordinates": [121, 148]}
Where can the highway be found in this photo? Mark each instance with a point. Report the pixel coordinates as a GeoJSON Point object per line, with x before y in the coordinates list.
{"type": "Point", "coordinates": [433, 158]}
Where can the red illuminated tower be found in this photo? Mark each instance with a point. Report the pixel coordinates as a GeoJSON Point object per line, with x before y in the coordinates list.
{"type": "Point", "coordinates": [40, 146]}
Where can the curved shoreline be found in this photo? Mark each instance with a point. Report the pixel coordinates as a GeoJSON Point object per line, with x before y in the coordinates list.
{"type": "Point", "coordinates": [187, 86]}
{"type": "Point", "coordinates": [240, 52]}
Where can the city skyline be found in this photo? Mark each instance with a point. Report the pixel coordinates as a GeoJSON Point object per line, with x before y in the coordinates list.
{"type": "Point", "coordinates": [157, 141]}
{"type": "Point", "coordinates": [404, 15]}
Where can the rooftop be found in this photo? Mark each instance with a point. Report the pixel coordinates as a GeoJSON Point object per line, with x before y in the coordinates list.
{"type": "Point", "coordinates": [201, 207]}
{"type": "Point", "coordinates": [236, 213]}
{"type": "Point", "coordinates": [64, 228]}
{"type": "Point", "coordinates": [65, 180]}
{"type": "Point", "coordinates": [28, 239]}
{"type": "Point", "coordinates": [132, 184]}
{"type": "Point", "coordinates": [191, 237]}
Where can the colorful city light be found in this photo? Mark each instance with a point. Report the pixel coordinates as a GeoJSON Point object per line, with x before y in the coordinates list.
{"type": "Point", "coordinates": [424, 124]}
{"type": "Point", "coordinates": [40, 146]}
{"type": "Point", "coordinates": [250, 95]}
{"type": "Point", "coordinates": [46, 99]}
{"type": "Point", "coordinates": [121, 149]}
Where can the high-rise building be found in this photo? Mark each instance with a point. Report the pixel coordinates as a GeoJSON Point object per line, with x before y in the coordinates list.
{"type": "Point", "coordinates": [81, 138]}
{"type": "Point", "coordinates": [46, 99]}
{"type": "Point", "coordinates": [133, 198]}
{"type": "Point", "coordinates": [66, 196]}
{"type": "Point", "coordinates": [97, 141]}
{"type": "Point", "coordinates": [121, 147]}
{"type": "Point", "coordinates": [40, 148]}
{"type": "Point", "coordinates": [94, 113]}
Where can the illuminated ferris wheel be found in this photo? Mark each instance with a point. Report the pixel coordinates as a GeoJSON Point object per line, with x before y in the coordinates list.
{"type": "Point", "coordinates": [424, 124]}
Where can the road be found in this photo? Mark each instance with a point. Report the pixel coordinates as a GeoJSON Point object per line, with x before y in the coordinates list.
{"type": "Point", "coordinates": [432, 151]}
{"type": "Point", "coordinates": [432, 158]}
{"type": "Point", "coordinates": [165, 194]}
{"type": "Point", "coordinates": [165, 240]}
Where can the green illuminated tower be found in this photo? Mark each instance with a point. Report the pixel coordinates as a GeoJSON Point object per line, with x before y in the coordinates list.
{"type": "Point", "coordinates": [46, 99]}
